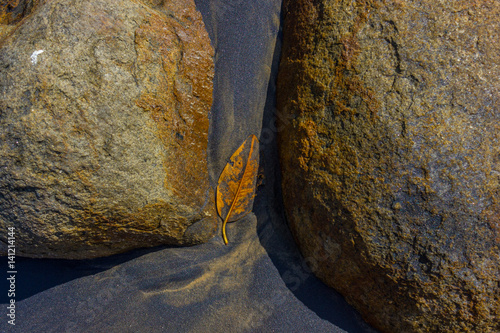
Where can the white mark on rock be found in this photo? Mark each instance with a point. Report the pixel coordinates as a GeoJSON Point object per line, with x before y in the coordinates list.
{"type": "Point", "coordinates": [34, 56]}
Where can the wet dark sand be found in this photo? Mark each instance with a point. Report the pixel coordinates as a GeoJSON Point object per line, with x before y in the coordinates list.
{"type": "Point", "coordinates": [258, 283]}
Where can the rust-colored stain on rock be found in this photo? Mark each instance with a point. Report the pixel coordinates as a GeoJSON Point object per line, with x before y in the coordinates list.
{"type": "Point", "coordinates": [179, 97]}
{"type": "Point", "coordinates": [12, 12]}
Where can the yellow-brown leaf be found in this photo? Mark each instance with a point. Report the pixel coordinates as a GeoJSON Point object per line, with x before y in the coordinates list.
{"type": "Point", "coordinates": [237, 183]}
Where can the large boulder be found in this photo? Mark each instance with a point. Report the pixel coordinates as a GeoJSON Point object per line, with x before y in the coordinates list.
{"type": "Point", "coordinates": [390, 151]}
{"type": "Point", "coordinates": [103, 127]}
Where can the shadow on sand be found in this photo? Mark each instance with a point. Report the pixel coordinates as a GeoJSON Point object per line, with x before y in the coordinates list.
{"type": "Point", "coordinates": [36, 275]}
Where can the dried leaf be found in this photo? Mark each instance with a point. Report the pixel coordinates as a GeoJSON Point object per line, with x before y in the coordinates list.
{"type": "Point", "coordinates": [237, 183]}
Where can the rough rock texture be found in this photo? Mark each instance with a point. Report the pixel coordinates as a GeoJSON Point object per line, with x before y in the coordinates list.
{"type": "Point", "coordinates": [12, 12]}
{"type": "Point", "coordinates": [390, 153]}
{"type": "Point", "coordinates": [103, 128]}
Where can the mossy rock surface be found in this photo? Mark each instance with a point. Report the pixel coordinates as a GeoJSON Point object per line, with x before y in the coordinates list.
{"type": "Point", "coordinates": [390, 155]}
{"type": "Point", "coordinates": [104, 126]}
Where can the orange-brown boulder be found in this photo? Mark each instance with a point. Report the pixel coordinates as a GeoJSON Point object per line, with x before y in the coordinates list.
{"type": "Point", "coordinates": [390, 155]}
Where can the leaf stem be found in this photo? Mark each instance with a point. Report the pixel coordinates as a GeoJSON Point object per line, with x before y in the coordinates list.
{"type": "Point", "coordinates": [224, 230]}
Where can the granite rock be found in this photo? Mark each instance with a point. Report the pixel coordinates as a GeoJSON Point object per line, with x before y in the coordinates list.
{"type": "Point", "coordinates": [103, 127]}
{"type": "Point", "coordinates": [390, 154]}
{"type": "Point", "coordinates": [12, 12]}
